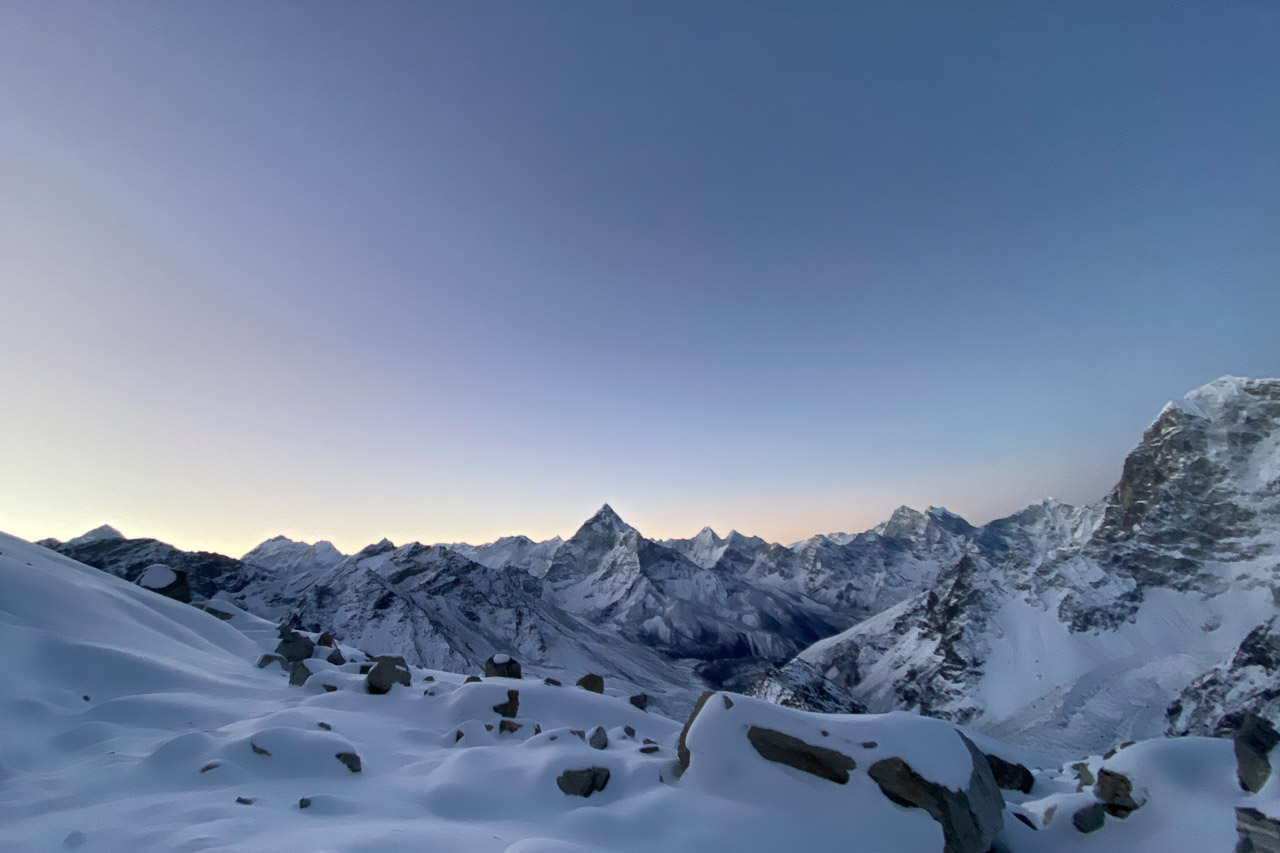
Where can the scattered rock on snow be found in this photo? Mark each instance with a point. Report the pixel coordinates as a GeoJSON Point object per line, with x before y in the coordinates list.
{"type": "Point", "coordinates": [1254, 739]}
{"type": "Point", "coordinates": [294, 646]}
{"type": "Point", "coordinates": [298, 673]}
{"type": "Point", "coordinates": [1090, 818]}
{"type": "Point", "coordinates": [793, 752]}
{"type": "Point", "coordinates": [172, 583]}
{"type": "Point", "coordinates": [268, 659]}
{"type": "Point", "coordinates": [1115, 791]}
{"type": "Point", "coordinates": [1010, 776]}
{"type": "Point", "coordinates": [389, 670]}
{"type": "Point", "coordinates": [510, 707]}
{"type": "Point", "coordinates": [640, 700]}
{"type": "Point", "coordinates": [599, 738]}
{"type": "Point", "coordinates": [350, 759]}
{"type": "Point", "coordinates": [592, 682]}
{"type": "Point", "coordinates": [583, 783]}
{"type": "Point", "coordinates": [502, 666]}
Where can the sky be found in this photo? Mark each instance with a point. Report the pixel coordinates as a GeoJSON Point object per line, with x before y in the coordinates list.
{"type": "Point", "coordinates": [451, 271]}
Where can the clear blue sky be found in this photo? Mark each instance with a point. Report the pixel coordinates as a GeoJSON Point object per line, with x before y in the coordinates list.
{"type": "Point", "coordinates": [455, 270]}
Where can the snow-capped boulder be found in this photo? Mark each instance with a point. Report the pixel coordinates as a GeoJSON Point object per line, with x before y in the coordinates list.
{"type": "Point", "coordinates": [172, 583]}
{"type": "Point", "coordinates": [876, 762]}
{"type": "Point", "coordinates": [502, 666]}
{"type": "Point", "coordinates": [387, 671]}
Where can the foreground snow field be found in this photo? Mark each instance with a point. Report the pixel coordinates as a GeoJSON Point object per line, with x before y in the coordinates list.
{"type": "Point", "coordinates": [130, 722]}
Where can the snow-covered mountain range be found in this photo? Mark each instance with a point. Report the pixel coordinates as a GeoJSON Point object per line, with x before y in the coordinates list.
{"type": "Point", "coordinates": [1067, 626]}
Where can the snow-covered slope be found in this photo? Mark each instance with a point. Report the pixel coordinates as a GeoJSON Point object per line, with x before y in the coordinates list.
{"type": "Point", "coordinates": [1075, 627]}
{"type": "Point", "coordinates": [131, 722]}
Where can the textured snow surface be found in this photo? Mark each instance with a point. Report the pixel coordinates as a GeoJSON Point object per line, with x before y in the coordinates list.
{"type": "Point", "coordinates": [131, 722]}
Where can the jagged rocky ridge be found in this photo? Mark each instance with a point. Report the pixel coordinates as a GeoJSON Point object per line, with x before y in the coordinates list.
{"type": "Point", "coordinates": [1071, 625]}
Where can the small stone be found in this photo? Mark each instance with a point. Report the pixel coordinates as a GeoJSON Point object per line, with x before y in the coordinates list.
{"type": "Point", "coordinates": [649, 750]}
{"type": "Point", "coordinates": [599, 738]}
{"type": "Point", "coordinates": [488, 727]}
{"type": "Point", "coordinates": [266, 661]}
{"type": "Point", "coordinates": [628, 731]}
{"type": "Point", "coordinates": [328, 688]}
{"type": "Point", "coordinates": [551, 681]}
{"type": "Point", "coordinates": [582, 735]}
{"type": "Point", "coordinates": [350, 759]}
{"type": "Point", "coordinates": [85, 698]}
{"type": "Point", "coordinates": [246, 801]}
{"type": "Point", "coordinates": [537, 729]}
{"type": "Point", "coordinates": [75, 838]}
{"type": "Point", "coordinates": [326, 640]}
{"type": "Point", "coordinates": [640, 700]}
{"type": "Point", "coordinates": [649, 740]}
{"type": "Point", "coordinates": [507, 727]}
{"type": "Point", "coordinates": [869, 744]}
{"type": "Point", "coordinates": [457, 736]}
{"type": "Point", "coordinates": [471, 679]}
{"type": "Point", "coordinates": [728, 703]}
{"type": "Point", "coordinates": [336, 658]}
{"type": "Point", "coordinates": [257, 750]}
{"type": "Point", "coordinates": [210, 766]}
{"type": "Point", "coordinates": [428, 678]}
{"type": "Point", "coordinates": [592, 682]}
{"type": "Point", "coordinates": [325, 726]}
{"type": "Point", "coordinates": [304, 803]}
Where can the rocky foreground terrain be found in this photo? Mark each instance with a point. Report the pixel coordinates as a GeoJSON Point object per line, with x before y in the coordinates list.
{"type": "Point", "coordinates": [132, 721]}
{"type": "Point", "coordinates": [1103, 677]}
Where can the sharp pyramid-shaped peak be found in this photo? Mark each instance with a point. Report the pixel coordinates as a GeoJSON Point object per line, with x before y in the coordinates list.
{"type": "Point", "coordinates": [97, 534]}
{"type": "Point", "coordinates": [605, 522]}
{"type": "Point", "coordinates": [706, 534]}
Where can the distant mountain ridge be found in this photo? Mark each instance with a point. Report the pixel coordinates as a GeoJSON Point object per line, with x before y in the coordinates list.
{"type": "Point", "coordinates": [1008, 625]}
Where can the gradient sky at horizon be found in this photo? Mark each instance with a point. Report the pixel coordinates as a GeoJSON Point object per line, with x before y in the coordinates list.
{"type": "Point", "coordinates": [448, 272]}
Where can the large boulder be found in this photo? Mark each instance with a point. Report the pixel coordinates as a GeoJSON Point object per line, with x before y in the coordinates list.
{"type": "Point", "coordinates": [592, 682]}
{"type": "Point", "coordinates": [1254, 739]}
{"type": "Point", "coordinates": [167, 581]}
{"type": "Point", "coordinates": [502, 666]}
{"type": "Point", "coordinates": [388, 670]}
{"type": "Point", "coordinates": [970, 817]}
{"type": "Point", "coordinates": [294, 646]}
{"type": "Point", "coordinates": [1009, 775]}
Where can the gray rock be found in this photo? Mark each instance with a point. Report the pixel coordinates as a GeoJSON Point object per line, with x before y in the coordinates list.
{"type": "Point", "coordinates": [599, 738]}
{"type": "Point", "coordinates": [298, 673]}
{"type": "Point", "coordinates": [266, 661]}
{"type": "Point", "coordinates": [583, 783]}
{"type": "Point", "coordinates": [1009, 775]}
{"type": "Point", "coordinates": [1254, 739]}
{"type": "Point", "coordinates": [507, 727]}
{"type": "Point", "coordinates": [1115, 791]}
{"type": "Point", "coordinates": [1090, 818]}
{"type": "Point", "coordinates": [502, 666]}
{"type": "Point", "coordinates": [350, 759]}
{"type": "Point", "coordinates": [387, 671]}
{"type": "Point", "coordinates": [640, 700]}
{"type": "Point", "coordinates": [970, 818]}
{"type": "Point", "coordinates": [304, 803]}
{"type": "Point", "coordinates": [793, 752]}
{"type": "Point", "coordinates": [336, 658]}
{"type": "Point", "coordinates": [510, 707]}
{"type": "Point", "coordinates": [592, 682]}
{"type": "Point", "coordinates": [1256, 833]}
{"type": "Point", "coordinates": [551, 682]}
{"type": "Point", "coordinates": [294, 646]}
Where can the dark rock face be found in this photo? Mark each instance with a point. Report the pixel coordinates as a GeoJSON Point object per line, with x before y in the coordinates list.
{"type": "Point", "coordinates": [387, 671]}
{"type": "Point", "coordinates": [1115, 791]}
{"type": "Point", "coordinates": [510, 707]}
{"type": "Point", "coordinates": [1254, 740]}
{"type": "Point", "coordinates": [350, 759]}
{"type": "Point", "coordinates": [1090, 818]}
{"type": "Point", "coordinates": [970, 818]}
{"type": "Point", "coordinates": [793, 752]}
{"type": "Point", "coordinates": [592, 682]}
{"type": "Point", "coordinates": [1010, 776]}
{"type": "Point", "coordinates": [583, 783]}
{"type": "Point", "coordinates": [502, 666]}
{"type": "Point", "coordinates": [1216, 702]}
{"type": "Point", "coordinates": [1256, 833]}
